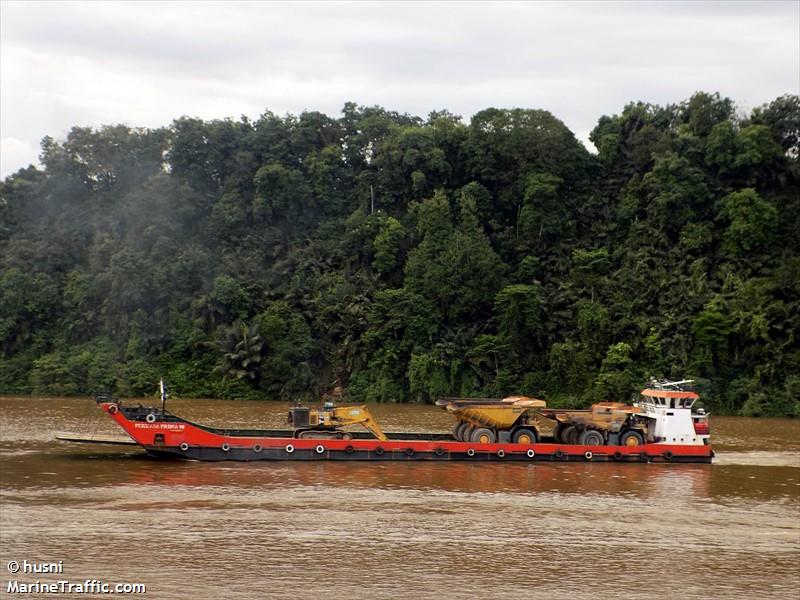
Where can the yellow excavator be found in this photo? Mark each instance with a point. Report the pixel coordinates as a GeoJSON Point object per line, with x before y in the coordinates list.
{"type": "Point", "coordinates": [324, 423]}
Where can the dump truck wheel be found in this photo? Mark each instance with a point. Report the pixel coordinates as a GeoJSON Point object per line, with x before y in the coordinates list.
{"type": "Point", "coordinates": [557, 433]}
{"type": "Point", "coordinates": [592, 437]}
{"type": "Point", "coordinates": [458, 431]}
{"type": "Point", "coordinates": [631, 438]}
{"type": "Point", "coordinates": [569, 435]}
{"type": "Point", "coordinates": [482, 435]}
{"type": "Point", "coordinates": [524, 436]}
{"type": "Point", "coordinates": [466, 433]}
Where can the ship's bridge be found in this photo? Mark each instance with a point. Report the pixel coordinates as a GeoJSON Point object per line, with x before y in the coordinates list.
{"type": "Point", "coordinates": [668, 398]}
{"type": "Point", "coordinates": [672, 418]}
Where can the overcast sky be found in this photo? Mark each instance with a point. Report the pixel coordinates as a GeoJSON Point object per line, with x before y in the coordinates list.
{"type": "Point", "coordinates": [144, 64]}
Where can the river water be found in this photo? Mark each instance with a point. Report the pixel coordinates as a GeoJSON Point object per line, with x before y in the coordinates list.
{"type": "Point", "coordinates": [395, 530]}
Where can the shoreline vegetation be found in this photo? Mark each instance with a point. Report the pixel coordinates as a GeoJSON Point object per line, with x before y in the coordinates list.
{"type": "Point", "coordinates": [401, 259]}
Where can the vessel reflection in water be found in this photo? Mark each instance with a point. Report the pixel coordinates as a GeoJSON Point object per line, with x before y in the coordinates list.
{"type": "Point", "coordinates": [394, 530]}
{"type": "Point", "coordinates": [679, 481]}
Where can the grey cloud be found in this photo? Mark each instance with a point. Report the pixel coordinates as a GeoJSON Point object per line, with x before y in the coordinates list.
{"type": "Point", "coordinates": [67, 64]}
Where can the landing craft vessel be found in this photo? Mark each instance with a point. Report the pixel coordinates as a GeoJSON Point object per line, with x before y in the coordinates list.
{"type": "Point", "coordinates": [660, 426]}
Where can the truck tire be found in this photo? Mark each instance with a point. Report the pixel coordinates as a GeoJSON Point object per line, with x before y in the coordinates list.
{"type": "Point", "coordinates": [459, 431]}
{"type": "Point", "coordinates": [569, 435]}
{"type": "Point", "coordinates": [631, 438]}
{"type": "Point", "coordinates": [524, 436]}
{"type": "Point", "coordinates": [592, 437]}
{"type": "Point", "coordinates": [558, 433]}
{"type": "Point", "coordinates": [484, 435]}
{"type": "Point", "coordinates": [466, 433]}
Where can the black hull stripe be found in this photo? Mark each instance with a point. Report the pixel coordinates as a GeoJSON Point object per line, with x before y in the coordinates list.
{"type": "Point", "coordinates": [280, 454]}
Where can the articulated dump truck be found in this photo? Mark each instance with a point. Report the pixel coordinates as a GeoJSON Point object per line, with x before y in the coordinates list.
{"type": "Point", "coordinates": [522, 420]}
{"type": "Point", "coordinates": [489, 420]}
{"type": "Point", "coordinates": [605, 423]}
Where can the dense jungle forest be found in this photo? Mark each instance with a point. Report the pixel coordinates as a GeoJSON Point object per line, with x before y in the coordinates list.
{"type": "Point", "coordinates": [403, 259]}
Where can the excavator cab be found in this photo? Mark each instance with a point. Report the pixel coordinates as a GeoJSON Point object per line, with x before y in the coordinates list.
{"type": "Point", "coordinates": [299, 416]}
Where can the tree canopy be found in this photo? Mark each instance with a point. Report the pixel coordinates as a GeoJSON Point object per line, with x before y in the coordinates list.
{"type": "Point", "coordinates": [405, 258]}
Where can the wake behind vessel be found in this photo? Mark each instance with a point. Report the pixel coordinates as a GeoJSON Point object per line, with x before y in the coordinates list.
{"type": "Point", "coordinates": [660, 427]}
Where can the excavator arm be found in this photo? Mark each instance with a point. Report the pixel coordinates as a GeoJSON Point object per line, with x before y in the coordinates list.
{"type": "Point", "coordinates": [326, 421]}
{"type": "Point", "coordinates": [351, 415]}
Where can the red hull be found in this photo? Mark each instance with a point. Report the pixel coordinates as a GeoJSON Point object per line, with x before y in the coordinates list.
{"type": "Point", "coordinates": [171, 436]}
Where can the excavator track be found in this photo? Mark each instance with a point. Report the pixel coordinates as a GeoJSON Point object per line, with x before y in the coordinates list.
{"type": "Point", "coordinates": [321, 434]}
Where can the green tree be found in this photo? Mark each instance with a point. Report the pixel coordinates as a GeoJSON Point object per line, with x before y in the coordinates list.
{"type": "Point", "coordinates": [240, 350]}
{"type": "Point", "coordinates": [389, 246]}
{"type": "Point", "coordinates": [751, 221]}
{"type": "Point", "coordinates": [518, 312]}
{"type": "Point", "coordinates": [406, 258]}
{"type": "Point", "coordinates": [615, 381]}
{"type": "Point", "coordinates": [287, 368]}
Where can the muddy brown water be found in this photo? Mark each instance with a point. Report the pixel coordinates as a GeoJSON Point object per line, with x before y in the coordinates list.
{"type": "Point", "coordinates": [395, 530]}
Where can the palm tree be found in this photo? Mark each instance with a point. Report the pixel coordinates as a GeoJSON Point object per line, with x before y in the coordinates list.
{"type": "Point", "coordinates": [241, 347]}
